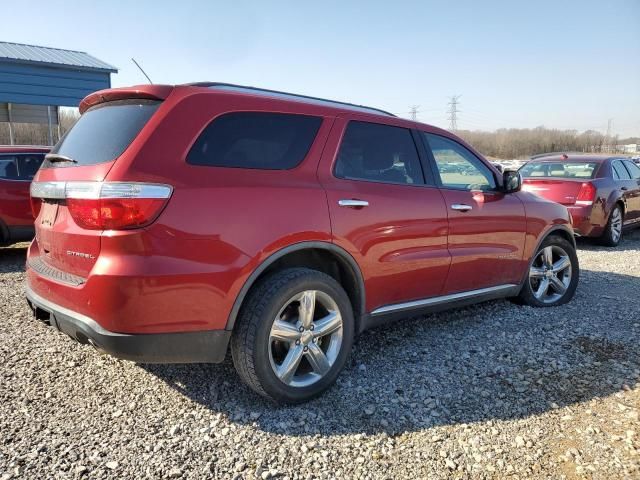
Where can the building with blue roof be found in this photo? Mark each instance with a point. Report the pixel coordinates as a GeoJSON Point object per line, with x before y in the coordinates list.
{"type": "Point", "coordinates": [35, 81]}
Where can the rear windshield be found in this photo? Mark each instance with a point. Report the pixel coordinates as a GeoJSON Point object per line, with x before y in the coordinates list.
{"type": "Point", "coordinates": [559, 169]}
{"type": "Point", "coordinates": [103, 132]}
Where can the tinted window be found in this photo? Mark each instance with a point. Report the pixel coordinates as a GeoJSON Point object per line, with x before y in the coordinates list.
{"type": "Point", "coordinates": [458, 167]}
{"type": "Point", "coordinates": [559, 169]}
{"type": "Point", "coordinates": [633, 169]}
{"type": "Point", "coordinates": [619, 172]}
{"type": "Point", "coordinates": [20, 167]}
{"type": "Point", "coordinates": [272, 141]}
{"type": "Point", "coordinates": [103, 132]}
{"type": "Point", "coordinates": [378, 153]}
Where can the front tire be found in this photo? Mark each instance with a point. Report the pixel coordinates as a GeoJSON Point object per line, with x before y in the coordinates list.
{"type": "Point", "coordinates": [293, 335]}
{"type": "Point", "coordinates": [613, 231]}
{"type": "Point", "coordinates": [553, 274]}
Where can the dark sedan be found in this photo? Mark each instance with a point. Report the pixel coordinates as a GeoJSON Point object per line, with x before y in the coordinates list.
{"type": "Point", "coordinates": [601, 192]}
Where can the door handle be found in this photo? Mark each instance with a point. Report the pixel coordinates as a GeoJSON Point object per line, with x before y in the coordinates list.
{"type": "Point", "coordinates": [461, 207]}
{"type": "Point", "coordinates": [353, 203]}
{"type": "Point", "coordinates": [624, 188]}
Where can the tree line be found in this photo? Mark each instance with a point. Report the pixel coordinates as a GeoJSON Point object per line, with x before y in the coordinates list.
{"type": "Point", "coordinates": [512, 143]}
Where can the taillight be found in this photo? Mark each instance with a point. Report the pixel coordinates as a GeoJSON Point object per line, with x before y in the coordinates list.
{"type": "Point", "coordinates": [586, 195]}
{"type": "Point", "coordinates": [110, 205]}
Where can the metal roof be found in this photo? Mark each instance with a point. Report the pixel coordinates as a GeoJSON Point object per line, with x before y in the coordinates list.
{"type": "Point", "coordinates": [35, 55]}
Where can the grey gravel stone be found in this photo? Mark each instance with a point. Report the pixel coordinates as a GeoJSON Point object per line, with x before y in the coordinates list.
{"type": "Point", "coordinates": [490, 391]}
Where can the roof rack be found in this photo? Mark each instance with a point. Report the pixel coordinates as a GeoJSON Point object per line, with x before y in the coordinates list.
{"type": "Point", "coordinates": [292, 96]}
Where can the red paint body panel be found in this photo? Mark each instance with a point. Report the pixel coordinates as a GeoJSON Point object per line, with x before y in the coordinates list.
{"type": "Point", "coordinates": [185, 271]}
{"type": "Point", "coordinates": [15, 206]}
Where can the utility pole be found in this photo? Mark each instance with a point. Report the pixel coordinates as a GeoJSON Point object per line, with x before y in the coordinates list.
{"type": "Point", "coordinates": [608, 137]}
{"type": "Point", "coordinates": [453, 112]}
{"type": "Point", "coordinates": [414, 112]}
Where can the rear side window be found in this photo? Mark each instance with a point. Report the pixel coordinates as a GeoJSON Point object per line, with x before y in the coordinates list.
{"type": "Point", "coordinates": [633, 169]}
{"type": "Point", "coordinates": [104, 132]}
{"type": "Point", "coordinates": [378, 153]}
{"type": "Point", "coordinates": [619, 172]}
{"type": "Point", "coordinates": [20, 167]}
{"type": "Point", "coordinates": [270, 141]}
{"type": "Point", "coordinates": [559, 169]}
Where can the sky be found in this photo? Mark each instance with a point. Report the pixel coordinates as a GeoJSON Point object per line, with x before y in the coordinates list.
{"type": "Point", "coordinates": [515, 64]}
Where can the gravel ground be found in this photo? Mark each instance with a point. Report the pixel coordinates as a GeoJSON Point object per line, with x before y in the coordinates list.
{"type": "Point", "coordinates": [490, 391]}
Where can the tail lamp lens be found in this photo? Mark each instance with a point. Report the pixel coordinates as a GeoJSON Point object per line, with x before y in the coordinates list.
{"type": "Point", "coordinates": [109, 205]}
{"type": "Point", "coordinates": [586, 195]}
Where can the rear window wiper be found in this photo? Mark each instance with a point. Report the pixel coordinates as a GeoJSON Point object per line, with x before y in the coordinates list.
{"type": "Point", "coordinates": [55, 157]}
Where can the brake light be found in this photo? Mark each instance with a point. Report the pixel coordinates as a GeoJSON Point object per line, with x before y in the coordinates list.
{"type": "Point", "coordinates": [586, 195]}
{"type": "Point", "coordinates": [108, 205]}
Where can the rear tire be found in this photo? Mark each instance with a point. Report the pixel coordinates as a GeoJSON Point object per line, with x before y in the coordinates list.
{"type": "Point", "coordinates": [613, 231]}
{"type": "Point", "coordinates": [293, 335]}
{"type": "Point", "coordinates": [553, 274]}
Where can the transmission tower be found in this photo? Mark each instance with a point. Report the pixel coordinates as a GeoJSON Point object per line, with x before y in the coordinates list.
{"type": "Point", "coordinates": [413, 112]}
{"type": "Point", "coordinates": [453, 112]}
{"type": "Point", "coordinates": [608, 137]}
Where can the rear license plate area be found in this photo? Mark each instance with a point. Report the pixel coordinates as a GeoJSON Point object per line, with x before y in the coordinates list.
{"type": "Point", "coordinates": [48, 215]}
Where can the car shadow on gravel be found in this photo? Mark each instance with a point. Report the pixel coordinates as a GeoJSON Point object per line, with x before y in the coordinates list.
{"type": "Point", "coordinates": [494, 361]}
{"type": "Point", "coordinates": [629, 242]}
{"type": "Point", "coordinates": [12, 259]}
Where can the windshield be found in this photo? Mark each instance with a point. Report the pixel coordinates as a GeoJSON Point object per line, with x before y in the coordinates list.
{"type": "Point", "coordinates": [559, 169]}
{"type": "Point", "coordinates": [103, 132]}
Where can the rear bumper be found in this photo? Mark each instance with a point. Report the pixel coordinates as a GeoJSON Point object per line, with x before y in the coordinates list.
{"type": "Point", "coordinates": [583, 221]}
{"type": "Point", "coordinates": [209, 346]}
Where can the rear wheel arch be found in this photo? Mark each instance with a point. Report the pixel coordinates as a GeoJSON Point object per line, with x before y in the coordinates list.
{"type": "Point", "coordinates": [322, 256]}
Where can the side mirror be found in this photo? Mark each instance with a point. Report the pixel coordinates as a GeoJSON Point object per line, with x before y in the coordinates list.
{"type": "Point", "coordinates": [511, 181]}
{"type": "Point", "coordinates": [499, 167]}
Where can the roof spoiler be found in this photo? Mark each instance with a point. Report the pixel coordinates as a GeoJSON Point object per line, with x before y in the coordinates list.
{"type": "Point", "coordinates": [146, 92]}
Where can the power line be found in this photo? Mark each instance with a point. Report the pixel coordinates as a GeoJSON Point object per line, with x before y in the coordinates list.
{"type": "Point", "coordinates": [453, 112]}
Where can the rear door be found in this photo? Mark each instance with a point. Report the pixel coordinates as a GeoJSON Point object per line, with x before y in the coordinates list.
{"type": "Point", "coordinates": [633, 198]}
{"type": "Point", "coordinates": [14, 190]}
{"type": "Point", "coordinates": [384, 211]}
{"type": "Point", "coordinates": [85, 154]}
{"type": "Point", "coordinates": [486, 226]}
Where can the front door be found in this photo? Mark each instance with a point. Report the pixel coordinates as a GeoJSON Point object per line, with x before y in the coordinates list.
{"type": "Point", "coordinates": [486, 226]}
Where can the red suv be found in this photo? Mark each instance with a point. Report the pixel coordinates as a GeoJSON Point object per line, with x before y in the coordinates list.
{"type": "Point", "coordinates": [18, 165]}
{"type": "Point", "coordinates": [175, 220]}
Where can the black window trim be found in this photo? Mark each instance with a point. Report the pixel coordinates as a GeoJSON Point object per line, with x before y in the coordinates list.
{"type": "Point", "coordinates": [434, 166]}
{"type": "Point", "coordinates": [426, 174]}
{"type": "Point", "coordinates": [7, 154]}
{"type": "Point", "coordinates": [300, 164]}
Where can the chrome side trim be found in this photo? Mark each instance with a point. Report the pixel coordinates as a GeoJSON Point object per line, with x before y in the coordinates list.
{"type": "Point", "coordinates": [442, 299]}
{"type": "Point", "coordinates": [353, 203]}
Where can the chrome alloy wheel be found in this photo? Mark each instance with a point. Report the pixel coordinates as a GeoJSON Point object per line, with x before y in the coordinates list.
{"type": "Point", "coordinates": [550, 274]}
{"type": "Point", "coordinates": [305, 338]}
{"type": "Point", "coordinates": [616, 225]}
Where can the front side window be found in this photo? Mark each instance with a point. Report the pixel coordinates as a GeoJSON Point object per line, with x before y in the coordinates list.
{"type": "Point", "coordinates": [20, 167]}
{"type": "Point", "coordinates": [378, 153]}
{"type": "Point", "coordinates": [260, 140]}
{"type": "Point", "coordinates": [458, 167]}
